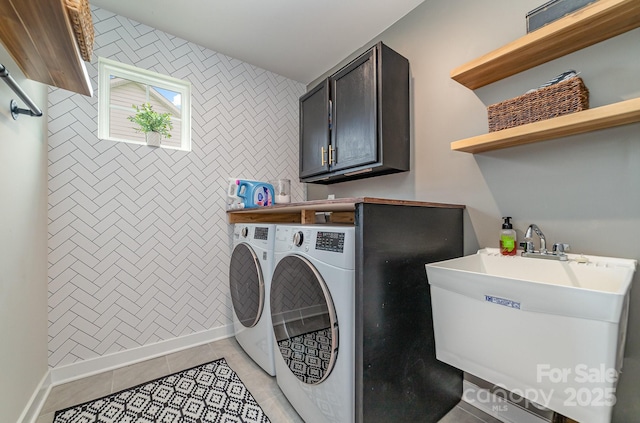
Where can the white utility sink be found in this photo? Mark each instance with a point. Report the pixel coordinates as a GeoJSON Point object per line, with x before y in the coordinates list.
{"type": "Point", "coordinates": [519, 321]}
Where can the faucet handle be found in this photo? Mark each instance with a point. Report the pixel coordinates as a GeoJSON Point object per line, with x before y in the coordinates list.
{"type": "Point", "coordinates": [560, 248]}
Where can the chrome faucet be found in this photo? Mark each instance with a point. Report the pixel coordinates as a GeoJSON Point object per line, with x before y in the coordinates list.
{"type": "Point", "coordinates": [528, 236]}
{"type": "Point", "coordinates": [530, 251]}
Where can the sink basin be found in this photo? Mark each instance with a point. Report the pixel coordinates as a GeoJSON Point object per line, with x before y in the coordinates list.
{"type": "Point", "coordinates": [584, 286]}
{"type": "Point", "coordinates": [518, 321]}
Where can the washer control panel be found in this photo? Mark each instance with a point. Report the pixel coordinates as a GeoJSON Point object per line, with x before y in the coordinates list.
{"type": "Point", "coordinates": [330, 241]}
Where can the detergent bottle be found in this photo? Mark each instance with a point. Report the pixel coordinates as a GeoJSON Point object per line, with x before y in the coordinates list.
{"type": "Point", "coordinates": [254, 193]}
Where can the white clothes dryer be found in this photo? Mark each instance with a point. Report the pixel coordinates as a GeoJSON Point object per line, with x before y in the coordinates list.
{"type": "Point", "coordinates": [312, 312]}
{"type": "Point", "coordinates": [250, 274]}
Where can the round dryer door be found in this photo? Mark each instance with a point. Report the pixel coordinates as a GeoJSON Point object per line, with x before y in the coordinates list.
{"type": "Point", "coordinates": [304, 319]}
{"type": "Point", "coordinates": [247, 285]}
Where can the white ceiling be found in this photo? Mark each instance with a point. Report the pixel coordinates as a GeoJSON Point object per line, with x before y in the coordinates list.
{"type": "Point", "coordinates": [299, 39]}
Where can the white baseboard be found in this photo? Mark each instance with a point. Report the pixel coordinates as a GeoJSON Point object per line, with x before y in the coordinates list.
{"type": "Point", "coordinates": [32, 410]}
{"type": "Point", "coordinates": [78, 370]}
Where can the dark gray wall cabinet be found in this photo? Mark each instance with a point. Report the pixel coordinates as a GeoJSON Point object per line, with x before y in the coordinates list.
{"type": "Point", "coordinates": [355, 124]}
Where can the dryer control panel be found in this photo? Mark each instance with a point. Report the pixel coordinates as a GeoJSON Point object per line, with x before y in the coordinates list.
{"type": "Point", "coordinates": [261, 232]}
{"type": "Point", "coordinates": [331, 244]}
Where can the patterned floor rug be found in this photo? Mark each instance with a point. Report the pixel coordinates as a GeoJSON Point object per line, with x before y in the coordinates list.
{"type": "Point", "coordinates": [210, 393]}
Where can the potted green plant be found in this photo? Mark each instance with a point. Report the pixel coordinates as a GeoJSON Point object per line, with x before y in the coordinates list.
{"type": "Point", "coordinates": [155, 125]}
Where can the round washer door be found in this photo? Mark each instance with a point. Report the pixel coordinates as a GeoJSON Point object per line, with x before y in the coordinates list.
{"type": "Point", "coordinates": [247, 285]}
{"type": "Point", "coordinates": [304, 319]}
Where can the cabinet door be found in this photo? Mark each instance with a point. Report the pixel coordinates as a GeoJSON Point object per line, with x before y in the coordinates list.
{"type": "Point", "coordinates": [354, 140]}
{"type": "Point", "coordinates": [314, 131]}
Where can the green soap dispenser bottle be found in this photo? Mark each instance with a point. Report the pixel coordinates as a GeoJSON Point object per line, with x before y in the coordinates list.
{"type": "Point", "coordinates": [507, 238]}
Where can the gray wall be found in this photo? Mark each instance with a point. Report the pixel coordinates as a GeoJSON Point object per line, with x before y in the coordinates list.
{"type": "Point", "coordinates": [583, 190]}
{"type": "Point", "coordinates": [23, 246]}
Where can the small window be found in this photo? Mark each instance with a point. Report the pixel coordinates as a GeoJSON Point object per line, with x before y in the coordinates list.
{"type": "Point", "coordinates": [123, 86]}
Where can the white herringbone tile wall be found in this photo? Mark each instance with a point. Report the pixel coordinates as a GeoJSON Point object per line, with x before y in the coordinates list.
{"type": "Point", "coordinates": [138, 237]}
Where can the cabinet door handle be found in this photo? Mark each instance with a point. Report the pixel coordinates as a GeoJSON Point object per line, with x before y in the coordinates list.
{"type": "Point", "coordinates": [322, 160]}
{"type": "Point", "coordinates": [332, 157]}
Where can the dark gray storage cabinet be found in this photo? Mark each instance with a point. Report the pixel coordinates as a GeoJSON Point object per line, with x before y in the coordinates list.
{"type": "Point", "coordinates": [355, 124]}
{"type": "Point", "coordinates": [397, 375]}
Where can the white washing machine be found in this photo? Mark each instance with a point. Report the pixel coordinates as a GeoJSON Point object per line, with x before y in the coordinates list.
{"type": "Point", "coordinates": [250, 274]}
{"type": "Point", "coordinates": [313, 312]}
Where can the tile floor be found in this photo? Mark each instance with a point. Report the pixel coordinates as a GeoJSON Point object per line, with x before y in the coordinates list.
{"type": "Point", "coordinates": [262, 386]}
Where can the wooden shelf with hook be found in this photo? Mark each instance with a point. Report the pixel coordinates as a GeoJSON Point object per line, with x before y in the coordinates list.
{"type": "Point", "coordinates": [39, 37]}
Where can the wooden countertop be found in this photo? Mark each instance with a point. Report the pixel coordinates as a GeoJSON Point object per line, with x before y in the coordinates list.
{"type": "Point", "coordinates": [341, 209]}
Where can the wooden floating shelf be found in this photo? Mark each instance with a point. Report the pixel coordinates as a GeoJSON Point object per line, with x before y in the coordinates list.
{"type": "Point", "coordinates": [594, 23]}
{"type": "Point", "coordinates": [40, 39]}
{"type": "Point", "coordinates": [616, 114]}
{"type": "Point", "coordinates": [340, 210]}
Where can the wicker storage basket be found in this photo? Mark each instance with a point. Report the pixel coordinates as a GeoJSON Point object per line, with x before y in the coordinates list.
{"type": "Point", "coordinates": [80, 17]}
{"type": "Point", "coordinates": [555, 100]}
